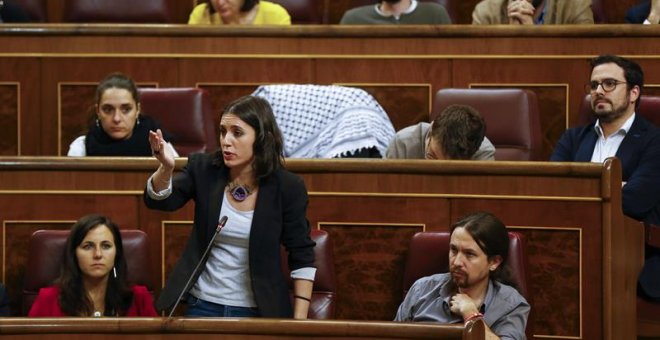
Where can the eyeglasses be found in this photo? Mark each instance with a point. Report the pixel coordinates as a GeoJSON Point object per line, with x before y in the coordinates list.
{"type": "Point", "coordinates": [608, 85]}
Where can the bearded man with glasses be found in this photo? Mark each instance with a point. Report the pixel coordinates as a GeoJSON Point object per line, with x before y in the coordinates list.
{"type": "Point", "coordinates": [616, 87]}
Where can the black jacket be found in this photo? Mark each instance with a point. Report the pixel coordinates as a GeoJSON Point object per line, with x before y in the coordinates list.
{"type": "Point", "coordinates": [639, 153]}
{"type": "Point", "coordinates": [638, 13]}
{"type": "Point", "coordinates": [279, 218]}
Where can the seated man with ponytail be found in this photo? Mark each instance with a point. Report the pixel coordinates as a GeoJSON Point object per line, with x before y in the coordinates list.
{"type": "Point", "coordinates": [478, 284]}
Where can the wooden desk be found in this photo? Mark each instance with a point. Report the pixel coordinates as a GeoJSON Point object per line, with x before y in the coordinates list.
{"type": "Point", "coordinates": [181, 328]}
{"type": "Point", "coordinates": [584, 256]}
{"type": "Point", "coordinates": [48, 73]}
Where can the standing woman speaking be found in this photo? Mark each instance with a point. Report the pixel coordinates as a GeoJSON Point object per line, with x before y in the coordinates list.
{"type": "Point", "coordinates": [266, 206]}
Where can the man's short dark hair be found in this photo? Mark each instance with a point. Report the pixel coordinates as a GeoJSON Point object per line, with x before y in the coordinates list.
{"type": "Point", "coordinates": [459, 130]}
{"type": "Point", "coordinates": [631, 71]}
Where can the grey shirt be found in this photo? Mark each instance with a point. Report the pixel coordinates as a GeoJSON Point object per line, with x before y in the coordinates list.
{"type": "Point", "coordinates": [410, 143]}
{"type": "Point", "coordinates": [425, 13]}
{"type": "Point", "coordinates": [505, 310]}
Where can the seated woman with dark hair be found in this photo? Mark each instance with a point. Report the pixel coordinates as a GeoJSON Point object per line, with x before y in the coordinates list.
{"type": "Point", "coordinates": [117, 127]}
{"type": "Point", "coordinates": [92, 279]}
{"type": "Point", "coordinates": [239, 12]}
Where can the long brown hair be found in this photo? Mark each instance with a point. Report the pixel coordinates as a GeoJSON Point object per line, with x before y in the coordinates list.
{"type": "Point", "coordinates": [73, 298]}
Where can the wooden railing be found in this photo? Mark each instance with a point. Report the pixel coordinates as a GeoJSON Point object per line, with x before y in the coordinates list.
{"type": "Point", "coordinates": [48, 73]}
{"type": "Point", "coordinates": [584, 255]}
{"type": "Point", "coordinates": [230, 328]}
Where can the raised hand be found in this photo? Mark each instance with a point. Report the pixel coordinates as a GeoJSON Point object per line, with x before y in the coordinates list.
{"type": "Point", "coordinates": [160, 149]}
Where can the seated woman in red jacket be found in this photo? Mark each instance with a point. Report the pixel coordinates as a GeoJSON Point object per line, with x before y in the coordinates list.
{"type": "Point", "coordinates": [92, 280]}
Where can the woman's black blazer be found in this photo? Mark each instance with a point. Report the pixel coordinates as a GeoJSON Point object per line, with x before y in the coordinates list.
{"type": "Point", "coordinates": [279, 218]}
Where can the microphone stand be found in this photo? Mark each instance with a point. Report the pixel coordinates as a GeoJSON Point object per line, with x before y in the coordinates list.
{"type": "Point", "coordinates": [221, 224]}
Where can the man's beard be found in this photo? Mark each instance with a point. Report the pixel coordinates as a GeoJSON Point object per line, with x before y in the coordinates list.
{"type": "Point", "coordinates": [613, 114]}
{"type": "Point", "coordinates": [462, 281]}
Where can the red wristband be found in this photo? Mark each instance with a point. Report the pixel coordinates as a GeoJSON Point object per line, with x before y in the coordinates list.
{"type": "Point", "coordinates": [473, 316]}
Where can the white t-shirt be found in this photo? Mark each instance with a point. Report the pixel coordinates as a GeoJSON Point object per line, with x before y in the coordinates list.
{"type": "Point", "coordinates": [78, 148]}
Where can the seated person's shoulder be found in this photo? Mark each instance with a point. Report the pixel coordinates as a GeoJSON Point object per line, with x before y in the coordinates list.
{"type": "Point", "coordinates": [52, 291]}
{"type": "Point", "coordinates": [638, 13]}
{"type": "Point", "coordinates": [431, 7]}
{"type": "Point", "coordinates": [509, 300]}
{"type": "Point", "coordinates": [488, 12]}
{"type": "Point", "coordinates": [273, 14]}
{"type": "Point", "coordinates": [581, 12]}
{"type": "Point", "coordinates": [490, 5]}
{"type": "Point", "coordinates": [138, 289]}
{"type": "Point", "coordinates": [408, 142]}
{"type": "Point", "coordinates": [419, 127]}
{"type": "Point", "coordinates": [356, 16]}
{"type": "Point", "coordinates": [272, 7]}
{"type": "Point", "coordinates": [199, 15]}
{"type": "Point", "coordinates": [77, 147]}
{"type": "Point", "coordinates": [430, 282]}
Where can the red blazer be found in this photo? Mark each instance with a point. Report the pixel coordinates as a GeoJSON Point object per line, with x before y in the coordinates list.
{"type": "Point", "coordinates": [47, 303]}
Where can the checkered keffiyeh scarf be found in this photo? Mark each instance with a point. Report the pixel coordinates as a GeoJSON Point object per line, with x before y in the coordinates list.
{"type": "Point", "coordinates": [326, 121]}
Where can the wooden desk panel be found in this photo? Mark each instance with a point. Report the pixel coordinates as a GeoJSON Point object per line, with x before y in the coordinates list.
{"type": "Point", "coordinates": [228, 328]}
{"type": "Point", "coordinates": [570, 213]}
{"type": "Point", "coordinates": [396, 64]}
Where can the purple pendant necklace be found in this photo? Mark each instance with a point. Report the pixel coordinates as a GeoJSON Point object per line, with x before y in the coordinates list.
{"type": "Point", "coordinates": [239, 191]}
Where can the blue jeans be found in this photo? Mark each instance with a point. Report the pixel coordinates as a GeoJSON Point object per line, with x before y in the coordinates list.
{"type": "Point", "coordinates": [199, 307]}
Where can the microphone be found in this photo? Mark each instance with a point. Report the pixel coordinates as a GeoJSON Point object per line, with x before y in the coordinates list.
{"type": "Point", "coordinates": [205, 256]}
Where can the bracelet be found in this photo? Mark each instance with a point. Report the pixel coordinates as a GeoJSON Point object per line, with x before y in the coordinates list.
{"type": "Point", "coordinates": [476, 315]}
{"type": "Point", "coordinates": [302, 298]}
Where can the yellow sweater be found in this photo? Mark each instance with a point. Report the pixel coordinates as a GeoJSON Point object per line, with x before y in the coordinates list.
{"type": "Point", "coordinates": [267, 14]}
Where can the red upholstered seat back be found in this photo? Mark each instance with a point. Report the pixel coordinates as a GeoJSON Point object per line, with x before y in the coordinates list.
{"type": "Point", "coordinates": [325, 285]}
{"type": "Point", "coordinates": [303, 11]}
{"type": "Point", "coordinates": [598, 9]}
{"type": "Point", "coordinates": [649, 108]}
{"type": "Point", "coordinates": [116, 11]}
{"type": "Point", "coordinates": [186, 114]}
{"type": "Point", "coordinates": [429, 254]}
{"type": "Point", "coordinates": [46, 251]}
{"type": "Point", "coordinates": [511, 115]}
{"type": "Point", "coordinates": [35, 9]}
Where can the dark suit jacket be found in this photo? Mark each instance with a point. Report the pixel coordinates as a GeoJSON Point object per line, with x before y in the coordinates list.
{"type": "Point", "coordinates": [638, 13]}
{"type": "Point", "coordinates": [279, 218]}
{"type": "Point", "coordinates": [4, 301]}
{"type": "Point", "coordinates": [11, 12]}
{"type": "Point", "coordinates": [639, 153]}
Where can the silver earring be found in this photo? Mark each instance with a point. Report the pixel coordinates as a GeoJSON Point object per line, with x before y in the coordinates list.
{"type": "Point", "coordinates": [114, 272]}
{"type": "Point", "coordinates": [98, 125]}
{"type": "Point", "coordinates": [138, 121]}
